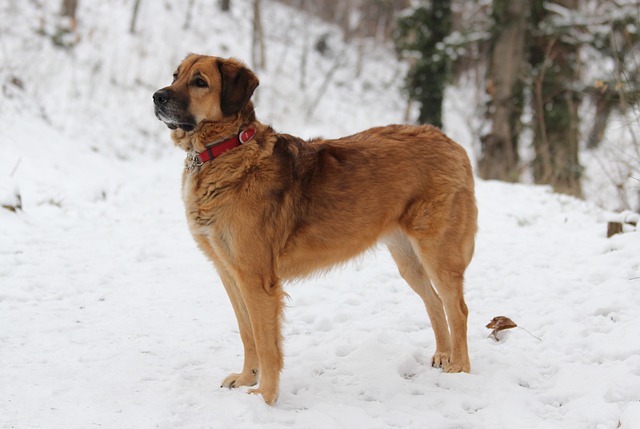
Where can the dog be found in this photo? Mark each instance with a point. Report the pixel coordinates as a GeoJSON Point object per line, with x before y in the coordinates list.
{"type": "Point", "coordinates": [267, 207]}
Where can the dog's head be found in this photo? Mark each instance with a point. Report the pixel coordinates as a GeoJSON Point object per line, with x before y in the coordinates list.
{"type": "Point", "coordinates": [204, 89]}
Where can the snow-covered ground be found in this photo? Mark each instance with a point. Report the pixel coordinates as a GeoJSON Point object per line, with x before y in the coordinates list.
{"type": "Point", "coordinates": [110, 317]}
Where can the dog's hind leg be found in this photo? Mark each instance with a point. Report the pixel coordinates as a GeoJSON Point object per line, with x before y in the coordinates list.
{"type": "Point", "coordinates": [415, 275]}
{"type": "Point", "coordinates": [448, 273]}
{"type": "Point", "coordinates": [442, 234]}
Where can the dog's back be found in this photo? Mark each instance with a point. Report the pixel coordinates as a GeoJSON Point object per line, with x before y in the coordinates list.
{"type": "Point", "coordinates": [359, 189]}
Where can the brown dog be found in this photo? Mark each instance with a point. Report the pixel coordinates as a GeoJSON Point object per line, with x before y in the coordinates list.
{"type": "Point", "coordinates": [269, 207]}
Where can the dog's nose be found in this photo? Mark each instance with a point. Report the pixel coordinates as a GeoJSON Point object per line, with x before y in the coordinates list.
{"type": "Point", "coordinates": [161, 97]}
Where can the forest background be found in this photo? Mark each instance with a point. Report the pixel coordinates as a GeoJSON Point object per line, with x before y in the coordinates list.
{"type": "Point", "coordinates": [546, 79]}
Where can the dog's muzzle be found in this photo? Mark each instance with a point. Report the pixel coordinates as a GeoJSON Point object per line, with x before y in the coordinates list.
{"type": "Point", "coordinates": [171, 112]}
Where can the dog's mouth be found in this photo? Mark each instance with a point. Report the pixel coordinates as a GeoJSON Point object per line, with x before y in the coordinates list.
{"type": "Point", "coordinates": [185, 127]}
{"type": "Point", "coordinates": [186, 124]}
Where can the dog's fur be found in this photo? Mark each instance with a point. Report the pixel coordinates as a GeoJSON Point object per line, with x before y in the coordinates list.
{"type": "Point", "coordinates": [279, 208]}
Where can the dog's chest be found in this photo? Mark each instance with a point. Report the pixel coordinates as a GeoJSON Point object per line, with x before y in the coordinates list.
{"type": "Point", "coordinates": [204, 203]}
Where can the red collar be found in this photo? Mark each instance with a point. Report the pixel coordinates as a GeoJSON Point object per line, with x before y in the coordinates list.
{"type": "Point", "coordinates": [217, 149]}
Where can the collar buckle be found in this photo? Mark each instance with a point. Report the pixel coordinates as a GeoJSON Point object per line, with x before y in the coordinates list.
{"type": "Point", "coordinates": [193, 161]}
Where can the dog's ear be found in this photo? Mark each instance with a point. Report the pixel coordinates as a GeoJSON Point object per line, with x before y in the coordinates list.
{"type": "Point", "coordinates": [238, 84]}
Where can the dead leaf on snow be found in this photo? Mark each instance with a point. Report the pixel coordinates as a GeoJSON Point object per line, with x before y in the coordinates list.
{"type": "Point", "coordinates": [500, 323]}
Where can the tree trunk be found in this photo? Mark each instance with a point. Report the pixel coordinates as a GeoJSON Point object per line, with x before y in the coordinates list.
{"type": "Point", "coordinates": [68, 10]}
{"type": "Point", "coordinates": [604, 103]}
{"type": "Point", "coordinates": [499, 158]}
{"type": "Point", "coordinates": [257, 45]}
{"type": "Point", "coordinates": [225, 5]}
{"type": "Point", "coordinates": [305, 51]}
{"type": "Point", "coordinates": [134, 17]}
{"type": "Point", "coordinates": [65, 35]}
{"type": "Point", "coordinates": [427, 78]}
{"type": "Point", "coordinates": [555, 140]}
{"type": "Point", "coordinates": [345, 19]}
{"type": "Point", "coordinates": [187, 20]}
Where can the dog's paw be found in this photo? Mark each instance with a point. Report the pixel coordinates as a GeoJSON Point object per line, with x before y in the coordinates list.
{"type": "Point", "coordinates": [440, 360]}
{"type": "Point", "coordinates": [243, 379]}
{"type": "Point", "coordinates": [452, 367]}
{"type": "Point", "coordinates": [270, 396]}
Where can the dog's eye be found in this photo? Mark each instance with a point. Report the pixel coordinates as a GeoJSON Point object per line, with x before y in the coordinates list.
{"type": "Point", "coordinates": [175, 77]}
{"type": "Point", "coordinates": [200, 83]}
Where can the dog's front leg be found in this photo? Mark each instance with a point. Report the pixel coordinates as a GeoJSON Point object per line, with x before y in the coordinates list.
{"type": "Point", "coordinates": [263, 297]}
{"type": "Point", "coordinates": [251, 368]}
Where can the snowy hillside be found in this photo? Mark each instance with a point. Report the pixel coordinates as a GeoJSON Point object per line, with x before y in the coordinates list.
{"type": "Point", "coordinates": [110, 317]}
{"type": "Point", "coordinates": [96, 97]}
{"type": "Point", "coordinates": [102, 87]}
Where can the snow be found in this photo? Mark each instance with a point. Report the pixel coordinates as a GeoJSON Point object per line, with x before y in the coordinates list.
{"type": "Point", "coordinates": [110, 316]}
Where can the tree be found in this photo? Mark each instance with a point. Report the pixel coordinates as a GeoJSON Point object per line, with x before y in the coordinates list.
{"type": "Point", "coordinates": [534, 78]}
{"type": "Point", "coordinates": [65, 35]}
{"type": "Point", "coordinates": [612, 37]}
{"type": "Point", "coordinates": [499, 158]}
{"type": "Point", "coordinates": [555, 71]}
{"type": "Point", "coordinates": [615, 35]}
{"type": "Point", "coordinates": [187, 20]}
{"type": "Point", "coordinates": [225, 5]}
{"type": "Point", "coordinates": [257, 41]}
{"type": "Point", "coordinates": [68, 10]}
{"type": "Point", "coordinates": [134, 17]}
{"type": "Point", "coordinates": [421, 34]}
